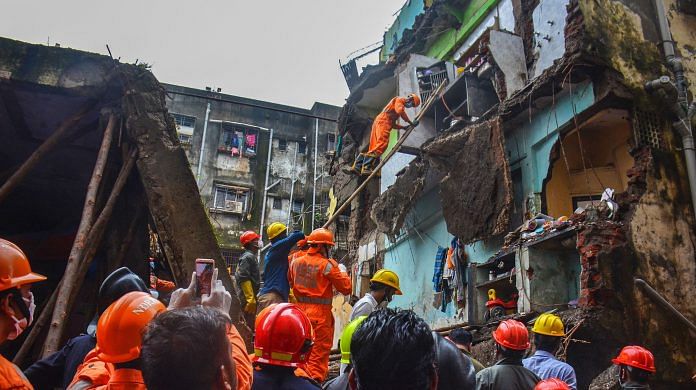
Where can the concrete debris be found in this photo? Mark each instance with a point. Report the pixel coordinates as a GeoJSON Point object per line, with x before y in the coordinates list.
{"type": "Point", "coordinates": [475, 156]}
{"type": "Point", "coordinates": [390, 210]}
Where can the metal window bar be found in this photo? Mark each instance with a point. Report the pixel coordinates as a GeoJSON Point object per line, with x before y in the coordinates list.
{"type": "Point", "coordinates": [435, 80]}
{"type": "Point", "coordinates": [648, 129]}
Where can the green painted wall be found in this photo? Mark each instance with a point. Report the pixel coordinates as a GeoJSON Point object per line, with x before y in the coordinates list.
{"type": "Point", "coordinates": [470, 17]}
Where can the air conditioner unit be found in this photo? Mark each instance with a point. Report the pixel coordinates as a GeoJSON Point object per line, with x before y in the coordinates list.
{"type": "Point", "coordinates": [234, 206]}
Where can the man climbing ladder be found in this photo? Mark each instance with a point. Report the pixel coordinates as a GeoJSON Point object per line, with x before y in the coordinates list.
{"type": "Point", "coordinates": [381, 127]}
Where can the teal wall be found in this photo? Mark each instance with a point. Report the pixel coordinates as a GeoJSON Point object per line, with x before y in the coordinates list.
{"type": "Point", "coordinates": [534, 140]}
{"type": "Point", "coordinates": [404, 21]}
{"type": "Point", "coordinates": [412, 257]}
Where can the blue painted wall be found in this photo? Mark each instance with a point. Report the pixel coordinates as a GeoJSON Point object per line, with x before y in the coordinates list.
{"type": "Point", "coordinates": [405, 20]}
{"type": "Point", "coordinates": [412, 257]}
{"type": "Point", "coordinates": [534, 140]}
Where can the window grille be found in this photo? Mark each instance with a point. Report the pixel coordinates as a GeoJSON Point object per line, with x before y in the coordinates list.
{"type": "Point", "coordinates": [647, 129]}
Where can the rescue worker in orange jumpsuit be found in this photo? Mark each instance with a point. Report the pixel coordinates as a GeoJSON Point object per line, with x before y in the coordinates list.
{"type": "Point", "coordinates": [119, 338]}
{"type": "Point", "coordinates": [312, 277]}
{"type": "Point", "coordinates": [16, 307]}
{"type": "Point", "coordinates": [381, 127]}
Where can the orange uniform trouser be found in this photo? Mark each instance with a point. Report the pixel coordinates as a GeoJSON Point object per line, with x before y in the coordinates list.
{"type": "Point", "coordinates": [323, 324]}
{"type": "Point", "coordinates": [379, 137]}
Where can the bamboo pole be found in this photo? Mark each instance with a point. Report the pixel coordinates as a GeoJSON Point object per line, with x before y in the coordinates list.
{"type": "Point", "coordinates": [72, 281]}
{"type": "Point", "coordinates": [46, 147]}
{"type": "Point", "coordinates": [426, 106]}
{"type": "Point", "coordinates": [85, 223]}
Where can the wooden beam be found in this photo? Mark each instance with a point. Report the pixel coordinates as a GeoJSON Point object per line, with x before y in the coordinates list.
{"type": "Point", "coordinates": [76, 270]}
{"type": "Point", "coordinates": [83, 229]}
{"type": "Point", "coordinates": [46, 147]}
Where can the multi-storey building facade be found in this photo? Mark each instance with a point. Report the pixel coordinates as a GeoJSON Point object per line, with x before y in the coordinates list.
{"type": "Point", "coordinates": [255, 162]}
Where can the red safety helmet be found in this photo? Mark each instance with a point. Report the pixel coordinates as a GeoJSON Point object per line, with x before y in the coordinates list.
{"type": "Point", "coordinates": [636, 356]}
{"type": "Point", "coordinates": [552, 384]}
{"type": "Point", "coordinates": [284, 336]}
{"type": "Point", "coordinates": [512, 334]}
{"type": "Point", "coordinates": [248, 237]}
{"type": "Point", "coordinates": [321, 236]}
{"type": "Point", "coordinates": [14, 267]}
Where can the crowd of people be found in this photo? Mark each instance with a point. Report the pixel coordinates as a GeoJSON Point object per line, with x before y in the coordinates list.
{"type": "Point", "coordinates": [137, 342]}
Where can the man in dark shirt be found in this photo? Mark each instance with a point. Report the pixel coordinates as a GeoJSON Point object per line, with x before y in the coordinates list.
{"type": "Point", "coordinates": [247, 275]}
{"type": "Point", "coordinates": [276, 287]}
{"type": "Point", "coordinates": [508, 373]}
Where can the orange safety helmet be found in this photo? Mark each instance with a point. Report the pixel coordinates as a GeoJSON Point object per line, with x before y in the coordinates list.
{"type": "Point", "coordinates": [248, 237]}
{"type": "Point", "coordinates": [416, 99]}
{"type": "Point", "coordinates": [321, 236]}
{"type": "Point", "coordinates": [636, 356]}
{"type": "Point", "coordinates": [14, 267]}
{"type": "Point", "coordinates": [512, 334]}
{"type": "Point", "coordinates": [552, 384]}
{"type": "Point", "coordinates": [284, 336]}
{"type": "Point", "coordinates": [121, 326]}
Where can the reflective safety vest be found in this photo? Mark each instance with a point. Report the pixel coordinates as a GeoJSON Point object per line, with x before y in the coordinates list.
{"type": "Point", "coordinates": [312, 277]}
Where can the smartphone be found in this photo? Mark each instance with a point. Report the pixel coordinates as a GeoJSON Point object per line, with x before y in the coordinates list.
{"type": "Point", "coordinates": [204, 275]}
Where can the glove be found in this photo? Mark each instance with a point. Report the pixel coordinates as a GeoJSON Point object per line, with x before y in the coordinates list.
{"type": "Point", "coordinates": [343, 268]}
{"type": "Point", "coordinates": [219, 297]}
{"type": "Point", "coordinates": [250, 307]}
{"type": "Point", "coordinates": [184, 297]}
{"type": "Point", "coordinates": [248, 291]}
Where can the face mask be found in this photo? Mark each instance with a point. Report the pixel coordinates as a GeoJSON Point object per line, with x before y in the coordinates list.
{"type": "Point", "coordinates": [19, 325]}
{"type": "Point", "coordinates": [31, 305]}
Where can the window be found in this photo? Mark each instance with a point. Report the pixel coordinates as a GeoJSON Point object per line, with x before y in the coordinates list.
{"type": "Point", "coordinates": [297, 206]}
{"type": "Point", "coordinates": [282, 144]}
{"type": "Point", "coordinates": [277, 203]}
{"type": "Point", "coordinates": [230, 199]}
{"type": "Point", "coordinates": [301, 147]}
{"type": "Point", "coordinates": [184, 128]}
{"type": "Point", "coordinates": [184, 120]}
{"type": "Point", "coordinates": [185, 139]}
{"type": "Point", "coordinates": [238, 141]}
{"type": "Point", "coordinates": [331, 144]}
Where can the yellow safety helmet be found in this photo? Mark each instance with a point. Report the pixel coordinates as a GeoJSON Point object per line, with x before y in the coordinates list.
{"type": "Point", "coordinates": [549, 325]}
{"type": "Point", "coordinates": [275, 229]}
{"type": "Point", "coordinates": [346, 336]}
{"type": "Point", "coordinates": [390, 278]}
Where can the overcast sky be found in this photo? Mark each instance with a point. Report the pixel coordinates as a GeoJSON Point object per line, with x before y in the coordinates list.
{"type": "Point", "coordinates": [284, 51]}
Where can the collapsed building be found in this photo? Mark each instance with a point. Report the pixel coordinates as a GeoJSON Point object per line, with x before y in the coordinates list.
{"type": "Point", "coordinates": [550, 173]}
{"type": "Point", "coordinates": [92, 178]}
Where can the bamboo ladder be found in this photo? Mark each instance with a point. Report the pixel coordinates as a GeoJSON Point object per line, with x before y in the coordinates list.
{"type": "Point", "coordinates": [402, 139]}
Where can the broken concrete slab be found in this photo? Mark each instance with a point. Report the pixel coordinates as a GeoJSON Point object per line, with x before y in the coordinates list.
{"type": "Point", "coordinates": [390, 210]}
{"type": "Point", "coordinates": [473, 158]}
{"type": "Point", "coordinates": [508, 52]}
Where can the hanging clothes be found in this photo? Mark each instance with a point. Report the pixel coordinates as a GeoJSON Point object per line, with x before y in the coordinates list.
{"type": "Point", "coordinates": [251, 143]}
{"type": "Point", "coordinates": [439, 268]}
